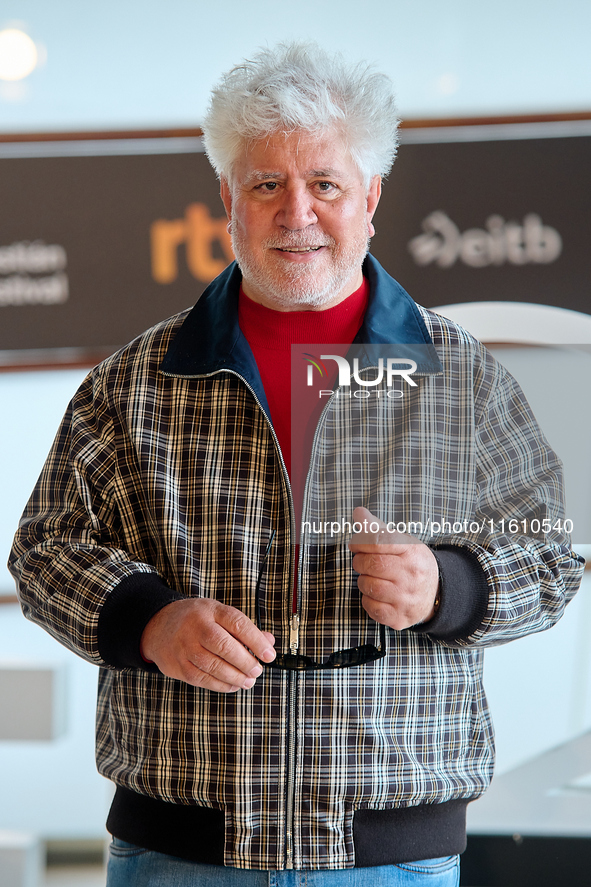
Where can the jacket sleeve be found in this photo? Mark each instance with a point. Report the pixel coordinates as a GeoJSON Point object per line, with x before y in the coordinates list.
{"type": "Point", "coordinates": [68, 556]}
{"type": "Point", "coordinates": [511, 571]}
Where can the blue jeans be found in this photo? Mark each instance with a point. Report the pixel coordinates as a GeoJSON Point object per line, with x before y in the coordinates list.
{"type": "Point", "coordinates": [131, 866]}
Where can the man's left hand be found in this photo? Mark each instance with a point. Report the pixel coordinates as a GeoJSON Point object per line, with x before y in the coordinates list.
{"type": "Point", "coordinates": [398, 575]}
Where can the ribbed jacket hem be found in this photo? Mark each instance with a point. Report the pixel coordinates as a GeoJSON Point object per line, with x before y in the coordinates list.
{"type": "Point", "coordinates": [381, 837]}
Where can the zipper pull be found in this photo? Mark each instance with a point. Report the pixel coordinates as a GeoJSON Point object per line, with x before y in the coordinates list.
{"type": "Point", "coordinates": [294, 633]}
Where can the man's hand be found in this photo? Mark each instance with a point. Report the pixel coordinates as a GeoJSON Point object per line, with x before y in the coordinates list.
{"type": "Point", "coordinates": [208, 644]}
{"type": "Point", "coordinates": [398, 575]}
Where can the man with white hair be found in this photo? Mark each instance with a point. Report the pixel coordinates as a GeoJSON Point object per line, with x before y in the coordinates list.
{"type": "Point", "coordinates": [272, 709]}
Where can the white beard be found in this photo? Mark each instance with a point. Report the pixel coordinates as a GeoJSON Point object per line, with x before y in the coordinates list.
{"type": "Point", "coordinates": [291, 285]}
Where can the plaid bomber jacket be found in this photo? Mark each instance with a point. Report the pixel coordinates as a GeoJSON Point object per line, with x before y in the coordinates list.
{"type": "Point", "coordinates": [166, 480]}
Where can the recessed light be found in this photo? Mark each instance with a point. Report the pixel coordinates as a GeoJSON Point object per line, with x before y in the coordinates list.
{"type": "Point", "coordinates": [18, 54]}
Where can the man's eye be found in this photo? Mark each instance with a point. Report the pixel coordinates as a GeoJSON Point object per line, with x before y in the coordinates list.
{"type": "Point", "coordinates": [324, 186]}
{"type": "Point", "coordinates": [267, 186]}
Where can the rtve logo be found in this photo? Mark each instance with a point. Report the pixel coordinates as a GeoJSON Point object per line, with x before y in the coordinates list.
{"type": "Point", "coordinates": [198, 232]}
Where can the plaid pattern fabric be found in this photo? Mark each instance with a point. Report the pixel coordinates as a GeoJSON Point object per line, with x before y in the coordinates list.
{"type": "Point", "coordinates": [180, 476]}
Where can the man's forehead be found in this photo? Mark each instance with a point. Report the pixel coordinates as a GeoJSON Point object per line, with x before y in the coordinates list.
{"type": "Point", "coordinates": [309, 154]}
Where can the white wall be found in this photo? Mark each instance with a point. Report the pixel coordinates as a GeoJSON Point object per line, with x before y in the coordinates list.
{"type": "Point", "coordinates": [134, 63]}
{"type": "Point", "coordinates": [52, 788]}
{"type": "Point", "coordinates": [31, 406]}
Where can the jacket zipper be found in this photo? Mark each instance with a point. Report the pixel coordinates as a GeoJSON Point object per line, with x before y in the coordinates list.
{"type": "Point", "coordinates": [294, 623]}
{"type": "Point", "coordinates": [294, 642]}
{"type": "Point", "coordinates": [294, 636]}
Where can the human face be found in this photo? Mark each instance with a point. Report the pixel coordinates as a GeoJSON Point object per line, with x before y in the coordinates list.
{"type": "Point", "coordinates": [300, 220]}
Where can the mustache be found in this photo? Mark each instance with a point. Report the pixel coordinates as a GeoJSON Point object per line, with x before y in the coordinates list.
{"type": "Point", "coordinates": [297, 242]}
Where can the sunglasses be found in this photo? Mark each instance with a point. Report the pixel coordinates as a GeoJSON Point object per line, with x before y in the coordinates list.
{"type": "Point", "coordinates": [339, 659]}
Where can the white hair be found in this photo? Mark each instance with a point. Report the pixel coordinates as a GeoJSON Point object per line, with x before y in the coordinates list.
{"type": "Point", "coordinates": [299, 86]}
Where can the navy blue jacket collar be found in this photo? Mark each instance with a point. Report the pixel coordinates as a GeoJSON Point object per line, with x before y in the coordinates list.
{"type": "Point", "coordinates": [210, 338]}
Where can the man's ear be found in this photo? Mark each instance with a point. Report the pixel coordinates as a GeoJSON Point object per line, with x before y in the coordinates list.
{"type": "Point", "coordinates": [373, 198]}
{"type": "Point", "coordinates": [226, 195]}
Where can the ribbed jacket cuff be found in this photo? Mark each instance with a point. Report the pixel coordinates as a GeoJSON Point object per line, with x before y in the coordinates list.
{"type": "Point", "coordinates": [125, 614]}
{"type": "Point", "coordinates": [463, 595]}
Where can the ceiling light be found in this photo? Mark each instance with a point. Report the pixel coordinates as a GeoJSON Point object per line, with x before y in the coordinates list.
{"type": "Point", "coordinates": [18, 54]}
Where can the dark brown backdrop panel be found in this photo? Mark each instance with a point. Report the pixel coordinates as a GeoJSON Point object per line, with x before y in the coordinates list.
{"type": "Point", "coordinates": [535, 195]}
{"type": "Point", "coordinates": [95, 249]}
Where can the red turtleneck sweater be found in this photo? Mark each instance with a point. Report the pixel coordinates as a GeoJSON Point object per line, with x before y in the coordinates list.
{"type": "Point", "coordinates": [270, 335]}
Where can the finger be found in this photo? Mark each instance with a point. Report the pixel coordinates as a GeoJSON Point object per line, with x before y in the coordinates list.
{"type": "Point", "coordinates": [370, 527]}
{"type": "Point", "coordinates": [377, 589]}
{"type": "Point", "coordinates": [374, 534]}
{"type": "Point", "coordinates": [197, 678]}
{"type": "Point", "coordinates": [377, 601]}
{"type": "Point", "coordinates": [381, 565]}
{"type": "Point", "coordinates": [379, 612]}
{"type": "Point", "coordinates": [203, 669]}
{"type": "Point", "coordinates": [216, 652]}
{"type": "Point", "coordinates": [384, 614]}
{"type": "Point", "coordinates": [414, 572]}
{"type": "Point", "coordinates": [241, 629]}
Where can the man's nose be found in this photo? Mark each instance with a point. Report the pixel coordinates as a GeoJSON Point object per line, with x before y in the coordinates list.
{"type": "Point", "coordinates": [297, 210]}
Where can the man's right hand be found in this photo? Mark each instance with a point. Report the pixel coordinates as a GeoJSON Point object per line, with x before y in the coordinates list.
{"type": "Point", "coordinates": [208, 644]}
